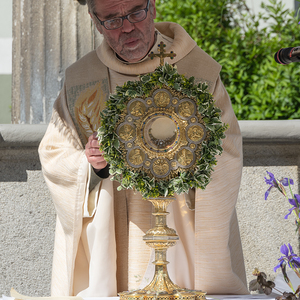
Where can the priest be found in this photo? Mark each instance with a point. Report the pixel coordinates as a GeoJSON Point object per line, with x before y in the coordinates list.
{"type": "Point", "coordinates": [98, 248]}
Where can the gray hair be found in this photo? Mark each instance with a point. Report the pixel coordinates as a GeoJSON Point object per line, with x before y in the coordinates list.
{"type": "Point", "coordinates": [91, 5]}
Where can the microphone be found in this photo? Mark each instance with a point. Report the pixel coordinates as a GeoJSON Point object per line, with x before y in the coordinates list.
{"type": "Point", "coordinates": [285, 56]}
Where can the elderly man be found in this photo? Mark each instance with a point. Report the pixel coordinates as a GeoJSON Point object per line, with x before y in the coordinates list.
{"type": "Point", "coordinates": [98, 241]}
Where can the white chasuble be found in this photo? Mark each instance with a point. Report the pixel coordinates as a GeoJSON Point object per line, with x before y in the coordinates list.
{"type": "Point", "coordinates": [99, 249]}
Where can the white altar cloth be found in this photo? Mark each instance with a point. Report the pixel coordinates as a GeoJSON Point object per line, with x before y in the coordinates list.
{"type": "Point", "coordinates": [208, 297]}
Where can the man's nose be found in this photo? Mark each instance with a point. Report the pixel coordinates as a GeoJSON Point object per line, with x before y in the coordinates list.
{"type": "Point", "coordinates": [127, 26]}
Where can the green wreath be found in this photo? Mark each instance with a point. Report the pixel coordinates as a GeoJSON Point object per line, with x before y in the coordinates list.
{"type": "Point", "coordinates": [164, 76]}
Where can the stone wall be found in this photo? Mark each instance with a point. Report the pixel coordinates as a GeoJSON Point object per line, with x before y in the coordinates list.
{"type": "Point", "coordinates": [268, 146]}
{"type": "Point", "coordinates": [48, 36]}
{"type": "Point", "coordinates": [27, 218]}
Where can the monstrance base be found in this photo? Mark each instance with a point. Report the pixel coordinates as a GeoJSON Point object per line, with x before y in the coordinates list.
{"type": "Point", "coordinates": [180, 294]}
{"type": "Point", "coordinates": [162, 288]}
{"type": "Point", "coordinates": [160, 238]}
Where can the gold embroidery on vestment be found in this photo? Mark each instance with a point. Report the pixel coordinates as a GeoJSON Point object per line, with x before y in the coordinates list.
{"type": "Point", "coordinates": [87, 110]}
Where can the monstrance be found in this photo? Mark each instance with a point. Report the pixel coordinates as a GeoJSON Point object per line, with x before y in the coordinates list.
{"type": "Point", "coordinates": [160, 136]}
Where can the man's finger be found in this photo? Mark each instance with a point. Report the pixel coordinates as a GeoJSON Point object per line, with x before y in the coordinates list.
{"type": "Point", "coordinates": [94, 143]}
{"type": "Point", "coordinates": [94, 152]}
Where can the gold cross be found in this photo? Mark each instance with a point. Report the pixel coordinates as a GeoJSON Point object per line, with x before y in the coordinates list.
{"type": "Point", "coordinates": [162, 53]}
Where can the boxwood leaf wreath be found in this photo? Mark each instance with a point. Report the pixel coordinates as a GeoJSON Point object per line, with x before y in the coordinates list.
{"type": "Point", "coordinates": [165, 77]}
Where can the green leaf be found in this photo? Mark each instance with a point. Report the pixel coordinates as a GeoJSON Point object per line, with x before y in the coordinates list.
{"type": "Point", "coordinates": [116, 143]}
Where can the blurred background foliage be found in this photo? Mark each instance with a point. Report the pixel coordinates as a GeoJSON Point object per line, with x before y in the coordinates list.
{"type": "Point", "coordinates": [245, 44]}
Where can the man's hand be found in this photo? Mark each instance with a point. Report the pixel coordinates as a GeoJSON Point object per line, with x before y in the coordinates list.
{"type": "Point", "coordinates": [93, 153]}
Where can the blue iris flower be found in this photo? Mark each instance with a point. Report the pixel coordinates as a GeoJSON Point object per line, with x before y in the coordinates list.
{"type": "Point", "coordinates": [295, 204]}
{"type": "Point", "coordinates": [288, 257]}
{"type": "Point", "coordinates": [274, 183]}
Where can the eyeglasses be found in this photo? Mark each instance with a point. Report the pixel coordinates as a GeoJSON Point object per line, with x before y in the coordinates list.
{"type": "Point", "coordinates": [134, 17]}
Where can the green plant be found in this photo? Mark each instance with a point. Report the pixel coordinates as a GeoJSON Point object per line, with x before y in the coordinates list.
{"type": "Point", "coordinates": [289, 258]}
{"type": "Point", "coordinates": [227, 30]}
{"type": "Point", "coordinates": [137, 179]}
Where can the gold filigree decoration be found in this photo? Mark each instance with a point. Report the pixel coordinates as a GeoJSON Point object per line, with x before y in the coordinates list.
{"type": "Point", "coordinates": [162, 99]}
{"type": "Point", "coordinates": [186, 109]}
{"type": "Point", "coordinates": [126, 132]}
{"type": "Point", "coordinates": [195, 133]}
{"type": "Point", "coordinates": [137, 108]}
{"type": "Point", "coordinates": [136, 156]}
{"type": "Point", "coordinates": [160, 167]}
{"type": "Point", "coordinates": [185, 157]}
{"type": "Point", "coordinates": [164, 131]}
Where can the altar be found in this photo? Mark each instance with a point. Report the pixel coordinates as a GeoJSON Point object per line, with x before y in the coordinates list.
{"type": "Point", "coordinates": [209, 297]}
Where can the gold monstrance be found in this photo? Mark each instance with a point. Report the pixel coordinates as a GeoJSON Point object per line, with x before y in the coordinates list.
{"type": "Point", "coordinates": [161, 154]}
{"type": "Point", "coordinates": [160, 163]}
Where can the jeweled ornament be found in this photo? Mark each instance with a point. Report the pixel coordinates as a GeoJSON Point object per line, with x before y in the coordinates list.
{"type": "Point", "coordinates": [160, 136]}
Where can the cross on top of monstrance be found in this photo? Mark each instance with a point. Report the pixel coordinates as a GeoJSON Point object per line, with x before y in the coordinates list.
{"type": "Point", "coordinates": [162, 53]}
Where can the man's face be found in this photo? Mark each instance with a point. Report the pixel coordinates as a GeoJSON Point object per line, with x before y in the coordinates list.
{"type": "Point", "coordinates": [132, 41]}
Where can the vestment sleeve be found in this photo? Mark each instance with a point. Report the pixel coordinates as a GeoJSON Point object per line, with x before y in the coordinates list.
{"type": "Point", "coordinates": [219, 265]}
{"type": "Point", "coordinates": [65, 169]}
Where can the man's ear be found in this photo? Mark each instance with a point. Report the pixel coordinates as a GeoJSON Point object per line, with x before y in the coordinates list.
{"type": "Point", "coordinates": [154, 9]}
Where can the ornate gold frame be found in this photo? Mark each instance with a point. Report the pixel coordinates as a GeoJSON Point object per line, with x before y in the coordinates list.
{"type": "Point", "coordinates": [162, 158]}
